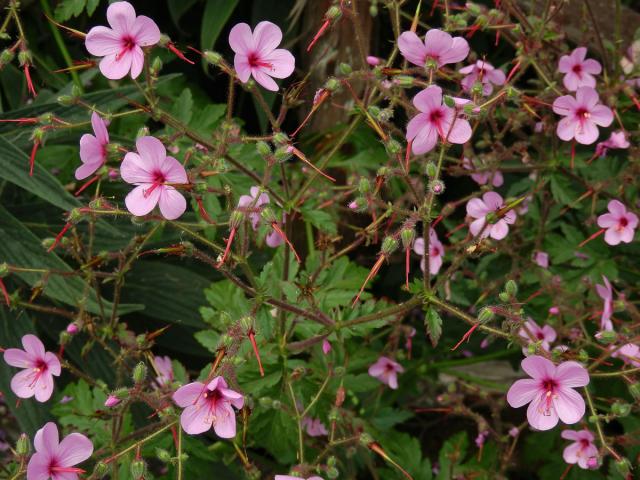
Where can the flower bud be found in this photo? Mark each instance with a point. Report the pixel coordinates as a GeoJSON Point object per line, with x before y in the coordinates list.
{"type": "Point", "coordinates": [282, 154]}
{"type": "Point", "coordinates": [236, 218]}
{"type": "Point", "coordinates": [373, 61]}
{"type": "Point", "coordinates": [333, 13]}
{"type": "Point", "coordinates": [393, 146]}
{"type": "Point", "coordinates": [389, 245]}
{"type": "Point", "coordinates": [345, 69]}
{"type": "Point", "coordinates": [263, 148]}
{"type": "Point", "coordinates": [607, 337]}
{"type": "Point", "coordinates": [276, 405]}
{"type": "Point", "coordinates": [225, 341]}
{"type": "Point", "coordinates": [332, 85]}
{"type": "Point", "coordinates": [436, 187]}
{"type": "Point", "coordinates": [138, 469]}
{"type": "Point", "coordinates": [623, 466]}
{"type": "Point", "coordinates": [4, 269]}
{"type": "Point", "coordinates": [332, 472]}
{"type": "Point", "coordinates": [139, 373]}
{"type": "Point", "coordinates": [66, 100]}
{"type": "Point", "coordinates": [405, 81]}
{"type": "Point", "coordinates": [64, 338]}
{"type": "Point", "coordinates": [111, 401]}
{"type": "Point", "coordinates": [331, 461]}
{"type": "Point", "coordinates": [25, 57]}
{"type": "Point", "coordinates": [214, 58]}
{"type": "Point", "coordinates": [23, 445]}
{"type": "Point", "coordinates": [407, 235]}
{"type": "Point", "coordinates": [266, 402]}
{"type": "Point", "coordinates": [365, 439]}
{"type": "Point", "coordinates": [163, 455]}
{"type": "Point", "coordinates": [280, 139]}
{"type": "Point", "coordinates": [333, 415]}
{"type": "Point", "coordinates": [477, 88]}
{"type": "Point", "coordinates": [364, 186]}
{"type": "Point", "coordinates": [156, 66]}
{"type": "Point", "coordinates": [511, 287]}
{"type": "Point", "coordinates": [6, 57]}
{"type": "Point", "coordinates": [100, 470]}
{"type": "Point", "coordinates": [339, 371]}
{"type": "Point", "coordinates": [621, 409]}
{"type": "Point", "coordinates": [485, 315]}
{"type": "Point", "coordinates": [72, 328]}
{"type": "Point", "coordinates": [268, 216]}
{"type": "Point", "coordinates": [449, 101]}
{"type": "Point", "coordinates": [246, 323]}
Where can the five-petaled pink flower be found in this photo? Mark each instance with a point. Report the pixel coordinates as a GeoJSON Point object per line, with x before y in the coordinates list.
{"type": "Point", "coordinates": [578, 70]}
{"type": "Point", "coordinates": [617, 139]}
{"type": "Point", "coordinates": [582, 115]}
{"type": "Point", "coordinates": [438, 47]}
{"type": "Point", "coordinates": [483, 177]}
{"type": "Point", "coordinates": [435, 120]}
{"type": "Point", "coordinates": [55, 460]}
{"type": "Point", "coordinates": [482, 72]}
{"type": "Point", "coordinates": [93, 148]}
{"type": "Point", "coordinates": [436, 252]}
{"type": "Point", "coordinates": [39, 368]}
{"type": "Point", "coordinates": [606, 294]}
{"type": "Point", "coordinates": [154, 173]}
{"type": "Point", "coordinates": [485, 210]}
{"type": "Point", "coordinates": [252, 205]}
{"type": "Point", "coordinates": [549, 392]}
{"type": "Point", "coordinates": [164, 369]}
{"type": "Point", "coordinates": [208, 405]}
{"type": "Point", "coordinates": [257, 55]}
{"type": "Point", "coordinates": [581, 450]}
{"type": "Point", "coordinates": [620, 223]}
{"type": "Point", "coordinates": [121, 45]}
{"type": "Point", "coordinates": [534, 333]}
{"type": "Point", "coordinates": [386, 370]}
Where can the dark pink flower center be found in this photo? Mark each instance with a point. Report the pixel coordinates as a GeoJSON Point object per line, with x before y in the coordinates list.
{"type": "Point", "coordinates": [622, 222]}
{"type": "Point", "coordinates": [435, 252]}
{"type": "Point", "coordinates": [577, 69]}
{"type": "Point", "coordinates": [540, 335]}
{"type": "Point", "coordinates": [584, 443]}
{"type": "Point", "coordinates": [256, 62]}
{"type": "Point", "coordinates": [128, 43]}
{"type": "Point", "coordinates": [158, 179]}
{"type": "Point", "coordinates": [39, 368]}
{"type": "Point", "coordinates": [549, 386]}
{"type": "Point", "coordinates": [583, 114]}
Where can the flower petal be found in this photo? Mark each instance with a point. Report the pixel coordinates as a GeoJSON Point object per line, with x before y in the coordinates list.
{"type": "Point", "coordinates": [173, 171]}
{"type": "Point", "coordinates": [22, 383]}
{"type": "Point", "coordinates": [53, 363]}
{"type": "Point", "coordinates": [225, 423]}
{"type": "Point", "coordinates": [102, 41]}
{"type": "Point", "coordinates": [137, 61]}
{"type": "Point", "coordinates": [46, 439]}
{"type": "Point", "coordinates": [18, 358]}
{"type": "Point", "coordinates": [38, 467]}
{"type": "Point", "coordinates": [572, 374]}
{"type": "Point", "coordinates": [241, 39]}
{"type": "Point", "coordinates": [522, 392]}
{"type": "Point", "coordinates": [476, 208]}
{"type": "Point", "coordinates": [499, 230]}
{"type": "Point", "coordinates": [266, 37]}
{"type": "Point", "coordinates": [566, 129]}
{"type": "Point", "coordinates": [188, 394]}
{"type": "Point", "coordinates": [569, 404]}
{"type": "Point", "coordinates": [242, 67]}
{"type": "Point", "coordinates": [428, 99]}
{"type": "Point", "coordinates": [457, 53]}
{"type": "Point", "coordinates": [282, 63]}
{"type": "Point", "coordinates": [539, 417]}
{"type": "Point", "coordinates": [139, 202]}
{"type": "Point", "coordinates": [412, 48]}
{"type": "Point", "coordinates": [264, 79]}
{"type": "Point", "coordinates": [195, 419]}
{"type": "Point", "coordinates": [115, 67]}
{"type": "Point", "coordinates": [564, 105]}
{"type": "Point", "coordinates": [145, 31]}
{"type": "Point", "coordinates": [172, 203]}
{"type": "Point", "coordinates": [152, 152]}
{"type": "Point", "coordinates": [121, 16]}
{"type": "Point", "coordinates": [134, 169]}
{"type": "Point", "coordinates": [33, 346]}
{"type": "Point", "coordinates": [538, 367]}
{"type": "Point", "coordinates": [74, 448]}
{"type": "Point", "coordinates": [44, 387]}
{"type": "Point", "coordinates": [602, 115]}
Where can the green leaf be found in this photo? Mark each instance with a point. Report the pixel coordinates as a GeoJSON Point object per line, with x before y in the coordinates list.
{"type": "Point", "coordinates": [320, 219]}
{"type": "Point", "coordinates": [91, 6]}
{"type": "Point", "coordinates": [451, 455]}
{"type": "Point", "coordinates": [215, 16]}
{"type": "Point", "coordinates": [182, 108]}
{"type": "Point", "coordinates": [433, 322]}
{"type": "Point", "coordinates": [69, 8]}
{"type": "Point", "coordinates": [209, 339]}
{"type": "Point", "coordinates": [31, 415]}
{"type": "Point", "coordinates": [562, 190]}
{"type": "Point", "coordinates": [15, 169]}
{"type": "Point", "coordinates": [19, 246]}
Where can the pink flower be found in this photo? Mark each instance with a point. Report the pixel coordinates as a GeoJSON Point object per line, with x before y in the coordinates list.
{"type": "Point", "coordinates": [554, 310]}
{"type": "Point", "coordinates": [545, 335]}
{"type": "Point", "coordinates": [436, 252]}
{"type": "Point", "coordinates": [252, 205]}
{"type": "Point", "coordinates": [164, 369]}
{"type": "Point", "coordinates": [55, 460]}
{"type": "Point", "coordinates": [438, 47]}
{"type": "Point", "coordinates": [482, 178]}
{"type": "Point", "coordinates": [581, 450]}
{"type": "Point", "coordinates": [628, 353]}
{"type": "Point", "coordinates": [72, 328]}
{"type": "Point", "coordinates": [93, 149]}
{"type": "Point", "coordinates": [542, 259]}
{"type": "Point", "coordinates": [482, 72]}
{"type": "Point", "coordinates": [481, 210]}
{"type": "Point", "coordinates": [39, 369]}
{"type": "Point", "coordinates": [111, 401]}
{"type": "Point", "coordinates": [582, 115]}
{"type": "Point", "coordinates": [121, 45]}
{"type": "Point", "coordinates": [373, 61]}
{"type": "Point", "coordinates": [153, 173]}
{"type": "Point", "coordinates": [273, 238]}
{"type": "Point", "coordinates": [257, 55]}
{"type": "Point", "coordinates": [616, 140]}
{"type": "Point", "coordinates": [550, 392]}
{"type": "Point", "coordinates": [578, 70]}
{"type": "Point", "coordinates": [314, 427]}
{"type": "Point", "coordinates": [326, 346]}
{"type": "Point", "coordinates": [386, 370]}
{"type": "Point", "coordinates": [606, 294]}
{"type": "Point", "coordinates": [208, 405]}
{"type": "Point", "coordinates": [619, 223]}
{"type": "Point", "coordinates": [435, 119]}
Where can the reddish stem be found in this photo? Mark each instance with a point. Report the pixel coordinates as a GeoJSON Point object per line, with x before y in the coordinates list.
{"type": "Point", "coordinates": [595, 235]}
{"type": "Point", "coordinates": [86, 185]}
{"type": "Point", "coordinates": [254, 345]}
{"type": "Point", "coordinates": [466, 336]}
{"type": "Point", "coordinates": [372, 273]}
{"type": "Point", "coordinates": [32, 158]}
{"type": "Point", "coordinates": [317, 36]}
{"type": "Point", "coordinates": [232, 234]}
{"type": "Point", "coordinates": [59, 236]}
{"type": "Point", "coordinates": [178, 53]}
{"type": "Point", "coordinates": [27, 75]}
